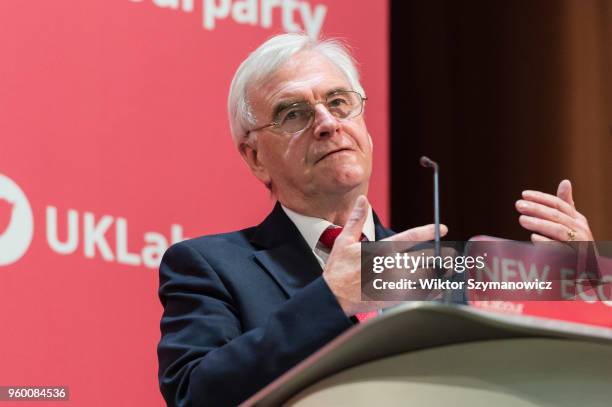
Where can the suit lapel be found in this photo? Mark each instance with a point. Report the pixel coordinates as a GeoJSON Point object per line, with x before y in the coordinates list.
{"type": "Point", "coordinates": [379, 230]}
{"type": "Point", "coordinates": [284, 253]}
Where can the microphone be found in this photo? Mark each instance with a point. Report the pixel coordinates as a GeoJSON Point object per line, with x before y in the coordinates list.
{"type": "Point", "coordinates": [429, 163]}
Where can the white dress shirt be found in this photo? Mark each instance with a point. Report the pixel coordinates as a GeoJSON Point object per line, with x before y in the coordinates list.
{"type": "Point", "coordinates": [312, 228]}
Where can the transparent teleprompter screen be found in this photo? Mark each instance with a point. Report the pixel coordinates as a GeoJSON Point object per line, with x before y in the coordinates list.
{"type": "Point", "coordinates": [486, 270]}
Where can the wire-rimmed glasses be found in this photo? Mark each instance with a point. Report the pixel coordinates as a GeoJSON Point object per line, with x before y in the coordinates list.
{"type": "Point", "coordinates": [295, 118]}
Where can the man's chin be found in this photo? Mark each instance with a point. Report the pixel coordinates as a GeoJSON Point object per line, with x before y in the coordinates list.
{"type": "Point", "coordinates": [344, 181]}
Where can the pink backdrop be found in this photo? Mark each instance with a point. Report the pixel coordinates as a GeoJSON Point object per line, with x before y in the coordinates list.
{"type": "Point", "coordinates": [114, 134]}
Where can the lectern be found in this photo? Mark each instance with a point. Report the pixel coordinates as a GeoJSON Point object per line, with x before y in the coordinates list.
{"type": "Point", "coordinates": [434, 354]}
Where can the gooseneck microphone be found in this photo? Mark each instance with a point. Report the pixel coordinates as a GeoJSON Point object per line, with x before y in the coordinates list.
{"type": "Point", "coordinates": [450, 295]}
{"type": "Point", "coordinates": [429, 163]}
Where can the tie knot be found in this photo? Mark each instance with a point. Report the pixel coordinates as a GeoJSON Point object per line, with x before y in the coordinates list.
{"type": "Point", "coordinates": [329, 236]}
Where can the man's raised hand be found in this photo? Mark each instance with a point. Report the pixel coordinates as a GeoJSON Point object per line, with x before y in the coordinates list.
{"type": "Point", "coordinates": [343, 268]}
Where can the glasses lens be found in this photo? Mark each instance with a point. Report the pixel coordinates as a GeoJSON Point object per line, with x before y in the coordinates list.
{"type": "Point", "coordinates": [344, 105]}
{"type": "Point", "coordinates": [294, 118]}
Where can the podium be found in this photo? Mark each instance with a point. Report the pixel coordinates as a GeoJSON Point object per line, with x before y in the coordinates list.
{"type": "Point", "coordinates": [434, 354]}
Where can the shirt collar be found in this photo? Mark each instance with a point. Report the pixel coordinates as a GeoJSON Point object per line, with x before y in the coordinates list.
{"type": "Point", "coordinates": [312, 228]}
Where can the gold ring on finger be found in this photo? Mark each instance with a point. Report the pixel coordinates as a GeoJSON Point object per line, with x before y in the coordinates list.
{"type": "Point", "coordinates": [571, 235]}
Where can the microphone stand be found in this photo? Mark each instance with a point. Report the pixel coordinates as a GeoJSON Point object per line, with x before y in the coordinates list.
{"type": "Point", "coordinates": [429, 163]}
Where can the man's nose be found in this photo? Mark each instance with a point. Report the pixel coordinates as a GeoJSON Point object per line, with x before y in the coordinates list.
{"type": "Point", "coordinates": [325, 124]}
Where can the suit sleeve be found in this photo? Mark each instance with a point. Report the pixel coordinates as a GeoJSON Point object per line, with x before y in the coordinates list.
{"type": "Point", "coordinates": [205, 358]}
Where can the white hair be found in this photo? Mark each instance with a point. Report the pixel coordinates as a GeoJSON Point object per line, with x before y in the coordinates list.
{"type": "Point", "coordinates": [267, 59]}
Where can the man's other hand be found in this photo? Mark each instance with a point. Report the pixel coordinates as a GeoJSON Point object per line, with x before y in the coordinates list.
{"type": "Point", "coordinates": [553, 217]}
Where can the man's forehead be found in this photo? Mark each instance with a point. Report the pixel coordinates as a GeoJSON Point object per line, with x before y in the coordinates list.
{"type": "Point", "coordinates": [304, 75]}
{"type": "Point", "coordinates": [304, 87]}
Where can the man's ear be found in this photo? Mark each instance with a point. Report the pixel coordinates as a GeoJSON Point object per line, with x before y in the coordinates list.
{"type": "Point", "coordinates": [249, 153]}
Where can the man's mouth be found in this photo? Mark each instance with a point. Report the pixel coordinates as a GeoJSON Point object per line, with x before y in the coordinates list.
{"type": "Point", "coordinates": [339, 150]}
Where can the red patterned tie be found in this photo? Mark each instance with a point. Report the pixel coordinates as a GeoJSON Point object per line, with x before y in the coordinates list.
{"type": "Point", "coordinates": [327, 239]}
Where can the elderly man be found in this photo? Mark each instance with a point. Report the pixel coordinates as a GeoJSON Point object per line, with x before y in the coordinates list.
{"type": "Point", "coordinates": [242, 308]}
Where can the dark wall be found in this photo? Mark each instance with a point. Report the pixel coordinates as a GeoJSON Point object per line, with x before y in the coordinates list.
{"type": "Point", "coordinates": [480, 87]}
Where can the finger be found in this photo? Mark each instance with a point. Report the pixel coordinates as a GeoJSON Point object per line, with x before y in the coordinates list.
{"type": "Point", "coordinates": [418, 234]}
{"type": "Point", "coordinates": [539, 238]}
{"type": "Point", "coordinates": [354, 224]}
{"type": "Point", "coordinates": [564, 191]}
{"type": "Point", "coordinates": [545, 212]}
{"type": "Point", "coordinates": [543, 227]}
{"type": "Point", "coordinates": [549, 200]}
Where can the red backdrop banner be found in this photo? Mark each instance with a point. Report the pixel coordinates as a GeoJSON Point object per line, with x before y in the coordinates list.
{"type": "Point", "coordinates": [115, 144]}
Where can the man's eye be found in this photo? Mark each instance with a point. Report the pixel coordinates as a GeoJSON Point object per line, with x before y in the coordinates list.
{"type": "Point", "coordinates": [337, 102]}
{"type": "Point", "coordinates": [294, 114]}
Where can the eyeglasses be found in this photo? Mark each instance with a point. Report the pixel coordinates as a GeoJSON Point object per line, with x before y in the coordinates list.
{"type": "Point", "coordinates": [343, 105]}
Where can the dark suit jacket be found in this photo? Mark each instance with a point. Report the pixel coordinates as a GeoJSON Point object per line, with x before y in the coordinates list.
{"type": "Point", "coordinates": [240, 309]}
